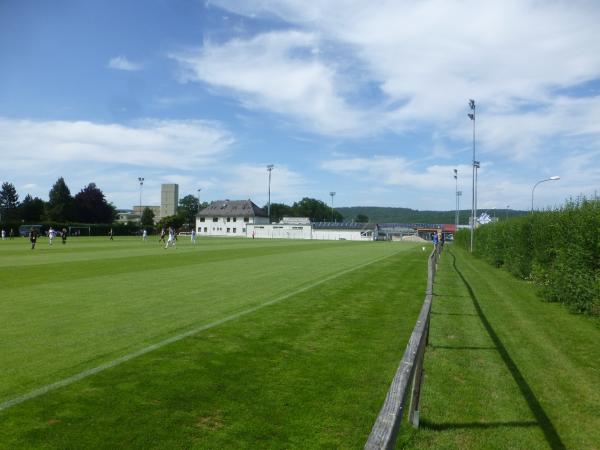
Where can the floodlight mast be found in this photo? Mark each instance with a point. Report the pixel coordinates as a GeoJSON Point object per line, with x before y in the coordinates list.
{"type": "Point", "coordinates": [474, 179]}
{"type": "Point", "coordinates": [456, 198]}
{"type": "Point", "coordinates": [332, 195]}
{"type": "Point", "coordinates": [269, 168]}
{"type": "Point", "coordinates": [198, 212]}
{"type": "Point", "coordinates": [141, 180]}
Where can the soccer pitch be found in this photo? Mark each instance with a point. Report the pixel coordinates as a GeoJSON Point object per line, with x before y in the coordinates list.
{"type": "Point", "coordinates": [228, 342]}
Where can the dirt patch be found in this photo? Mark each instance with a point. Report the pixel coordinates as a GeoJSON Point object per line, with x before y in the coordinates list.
{"type": "Point", "coordinates": [214, 422]}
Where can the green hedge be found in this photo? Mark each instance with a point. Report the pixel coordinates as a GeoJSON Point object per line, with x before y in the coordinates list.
{"type": "Point", "coordinates": [558, 250]}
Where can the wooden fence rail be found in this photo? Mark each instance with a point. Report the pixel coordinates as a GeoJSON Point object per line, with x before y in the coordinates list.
{"type": "Point", "coordinates": [409, 373]}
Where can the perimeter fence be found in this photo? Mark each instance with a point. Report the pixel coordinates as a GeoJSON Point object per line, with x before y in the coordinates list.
{"type": "Point", "coordinates": [409, 375]}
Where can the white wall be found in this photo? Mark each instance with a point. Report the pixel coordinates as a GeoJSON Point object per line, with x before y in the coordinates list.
{"type": "Point", "coordinates": [225, 226]}
{"type": "Point", "coordinates": [279, 231]}
{"type": "Point", "coordinates": [348, 235]}
{"type": "Point", "coordinates": [284, 231]}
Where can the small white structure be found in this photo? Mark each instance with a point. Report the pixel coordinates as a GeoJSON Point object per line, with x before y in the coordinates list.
{"type": "Point", "coordinates": [279, 231]}
{"type": "Point", "coordinates": [229, 218]}
{"type": "Point", "coordinates": [343, 231]}
{"type": "Point", "coordinates": [305, 230]}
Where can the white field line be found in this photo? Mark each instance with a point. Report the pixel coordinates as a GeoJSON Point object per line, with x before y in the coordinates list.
{"type": "Point", "coordinates": [115, 362]}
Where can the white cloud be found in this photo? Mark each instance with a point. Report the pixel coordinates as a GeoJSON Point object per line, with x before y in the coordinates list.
{"type": "Point", "coordinates": [112, 155]}
{"type": "Point", "coordinates": [251, 181]}
{"type": "Point", "coordinates": [149, 143]}
{"type": "Point", "coordinates": [394, 171]}
{"type": "Point", "coordinates": [280, 72]}
{"type": "Point", "coordinates": [122, 63]}
{"type": "Point", "coordinates": [426, 58]}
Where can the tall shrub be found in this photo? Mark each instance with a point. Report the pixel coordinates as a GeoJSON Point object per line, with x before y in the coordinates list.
{"type": "Point", "coordinates": [559, 250]}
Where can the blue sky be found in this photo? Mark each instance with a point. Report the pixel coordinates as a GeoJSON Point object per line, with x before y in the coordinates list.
{"type": "Point", "coordinates": [367, 99]}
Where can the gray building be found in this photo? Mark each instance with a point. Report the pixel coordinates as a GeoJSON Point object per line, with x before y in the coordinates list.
{"type": "Point", "coordinates": [169, 198]}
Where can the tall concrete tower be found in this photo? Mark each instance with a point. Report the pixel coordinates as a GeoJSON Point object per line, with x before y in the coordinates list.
{"type": "Point", "coordinates": [169, 198]}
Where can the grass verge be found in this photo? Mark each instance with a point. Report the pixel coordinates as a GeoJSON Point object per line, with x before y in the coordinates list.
{"type": "Point", "coordinates": [505, 370]}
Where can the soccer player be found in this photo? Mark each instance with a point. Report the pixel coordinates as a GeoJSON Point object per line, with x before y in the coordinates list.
{"type": "Point", "coordinates": [63, 235]}
{"type": "Point", "coordinates": [3, 234]}
{"type": "Point", "coordinates": [162, 235]}
{"type": "Point", "coordinates": [33, 234]}
{"type": "Point", "coordinates": [171, 239]}
{"type": "Point", "coordinates": [51, 234]}
{"type": "Point", "coordinates": [110, 234]}
{"type": "Point", "coordinates": [193, 236]}
{"type": "Point", "coordinates": [144, 235]}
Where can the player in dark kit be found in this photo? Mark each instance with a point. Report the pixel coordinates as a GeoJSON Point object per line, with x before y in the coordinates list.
{"type": "Point", "coordinates": [63, 235]}
{"type": "Point", "coordinates": [162, 236]}
{"type": "Point", "coordinates": [33, 234]}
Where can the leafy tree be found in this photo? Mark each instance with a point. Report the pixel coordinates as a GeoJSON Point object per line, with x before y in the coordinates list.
{"type": "Point", "coordinates": [31, 209]}
{"type": "Point", "coordinates": [9, 202]}
{"type": "Point", "coordinates": [60, 206]}
{"type": "Point", "coordinates": [361, 218]}
{"type": "Point", "coordinates": [188, 208]}
{"type": "Point", "coordinates": [175, 221]}
{"type": "Point", "coordinates": [147, 217]}
{"type": "Point", "coordinates": [316, 210]}
{"type": "Point", "coordinates": [278, 211]}
{"type": "Point", "coordinates": [90, 206]}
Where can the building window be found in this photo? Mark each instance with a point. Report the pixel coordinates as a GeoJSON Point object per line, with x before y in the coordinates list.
{"type": "Point", "coordinates": [215, 219]}
{"type": "Point", "coordinates": [205, 229]}
{"type": "Point", "coordinates": [201, 219]}
{"type": "Point", "coordinates": [235, 219]}
{"type": "Point", "coordinates": [246, 219]}
{"type": "Point", "coordinates": [228, 230]}
{"type": "Point", "coordinates": [234, 230]}
{"type": "Point", "coordinates": [229, 219]}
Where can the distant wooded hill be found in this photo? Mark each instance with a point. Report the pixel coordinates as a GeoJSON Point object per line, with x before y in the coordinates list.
{"type": "Point", "coordinates": [377, 214]}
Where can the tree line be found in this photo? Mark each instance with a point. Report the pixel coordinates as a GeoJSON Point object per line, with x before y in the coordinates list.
{"type": "Point", "coordinates": [315, 210]}
{"type": "Point", "coordinates": [88, 206]}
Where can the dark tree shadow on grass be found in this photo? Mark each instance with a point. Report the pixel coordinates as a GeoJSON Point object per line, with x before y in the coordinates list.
{"type": "Point", "coordinates": [475, 425]}
{"type": "Point", "coordinates": [542, 419]}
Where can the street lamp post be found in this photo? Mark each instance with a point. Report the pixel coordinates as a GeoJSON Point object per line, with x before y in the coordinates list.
{"type": "Point", "coordinates": [269, 168]}
{"type": "Point", "coordinates": [141, 180]}
{"type": "Point", "coordinates": [554, 178]}
{"type": "Point", "coordinates": [507, 208]}
{"type": "Point", "coordinates": [474, 180]}
{"type": "Point", "coordinates": [332, 194]}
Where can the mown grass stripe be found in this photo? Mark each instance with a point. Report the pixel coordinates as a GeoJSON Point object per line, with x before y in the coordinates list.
{"type": "Point", "coordinates": [115, 362]}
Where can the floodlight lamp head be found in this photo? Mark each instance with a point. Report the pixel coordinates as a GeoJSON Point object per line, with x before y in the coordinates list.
{"type": "Point", "coordinates": [270, 167]}
{"type": "Point", "coordinates": [471, 103]}
{"type": "Point", "coordinates": [471, 116]}
{"type": "Point", "coordinates": [555, 177]}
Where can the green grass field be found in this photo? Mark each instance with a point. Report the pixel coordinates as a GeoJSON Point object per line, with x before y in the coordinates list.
{"type": "Point", "coordinates": [505, 370]}
{"type": "Point", "coordinates": [228, 343]}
